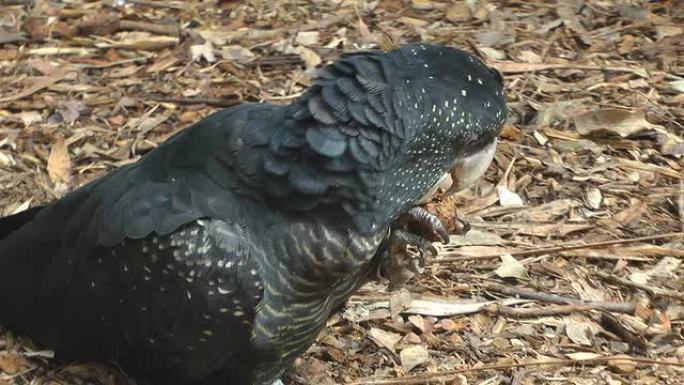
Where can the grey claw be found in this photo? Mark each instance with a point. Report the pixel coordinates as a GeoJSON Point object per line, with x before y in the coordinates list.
{"type": "Point", "coordinates": [401, 238]}
{"type": "Point", "coordinates": [429, 222]}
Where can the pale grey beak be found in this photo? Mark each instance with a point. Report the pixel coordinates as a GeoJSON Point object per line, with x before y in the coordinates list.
{"type": "Point", "coordinates": [463, 173]}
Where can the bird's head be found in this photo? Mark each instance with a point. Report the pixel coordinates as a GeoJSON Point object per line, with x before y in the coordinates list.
{"type": "Point", "coordinates": [381, 128]}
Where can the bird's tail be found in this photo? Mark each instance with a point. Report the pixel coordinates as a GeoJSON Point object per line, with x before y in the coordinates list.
{"type": "Point", "coordinates": [14, 222]}
{"type": "Point", "coordinates": [16, 258]}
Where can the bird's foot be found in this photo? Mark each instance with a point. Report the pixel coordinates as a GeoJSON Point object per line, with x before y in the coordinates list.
{"type": "Point", "coordinates": [401, 240]}
{"type": "Point", "coordinates": [410, 244]}
{"type": "Point", "coordinates": [423, 224]}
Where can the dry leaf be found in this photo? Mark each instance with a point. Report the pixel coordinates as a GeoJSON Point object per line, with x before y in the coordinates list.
{"type": "Point", "coordinates": [475, 238]}
{"type": "Point", "coordinates": [11, 363]}
{"type": "Point", "coordinates": [580, 332]}
{"type": "Point", "coordinates": [640, 277]}
{"type": "Point", "coordinates": [419, 322]}
{"type": "Point", "coordinates": [98, 23]}
{"type": "Point", "coordinates": [528, 56]}
{"type": "Point", "coordinates": [617, 121]}
{"type": "Point", "coordinates": [538, 229]}
{"type": "Point", "coordinates": [411, 338]}
{"type": "Point", "coordinates": [492, 53]}
{"type": "Point", "coordinates": [206, 51]}
{"type": "Point", "coordinates": [594, 198]}
{"type": "Point", "coordinates": [163, 63]}
{"type": "Point", "coordinates": [666, 267]}
{"type": "Point", "coordinates": [678, 85]}
{"type": "Point", "coordinates": [412, 21]}
{"type": "Point", "coordinates": [71, 110]}
{"type": "Point", "coordinates": [508, 197]}
{"type": "Point", "coordinates": [7, 160]}
{"type": "Point", "coordinates": [422, 5]}
{"type": "Point", "coordinates": [587, 291]}
{"type": "Point", "coordinates": [547, 212]}
{"type": "Point", "coordinates": [384, 338]}
{"type": "Point", "coordinates": [494, 39]}
{"type": "Point", "coordinates": [38, 85]}
{"type": "Point", "coordinates": [59, 162]}
{"type": "Point", "coordinates": [541, 138]}
{"type": "Point", "coordinates": [30, 117]}
{"type": "Point", "coordinates": [663, 31]}
{"type": "Point", "coordinates": [237, 54]}
{"type": "Point", "coordinates": [310, 57]}
{"type": "Point", "coordinates": [511, 268]}
{"type": "Point", "coordinates": [459, 13]}
{"type": "Point", "coordinates": [622, 363]}
{"type": "Point", "coordinates": [307, 38]}
{"type": "Point", "coordinates": [363, 28]}
{"type": "Point", "coordinates": [582, 356]}
{"type": "Point", "coordinates": [567, 11]}
{"type": "Point", "coordinates": [481, 8]}
{"type": "Point", "coordinates": [142, 43]}
{"type": "Point", "coordinates": [413, 356]}
{"type": "Point", "coordinates": [628, 217]}
{"type": "Point", "coordinates": [399, 301]}
{"type": "Point", "coordinates": [511, 132]}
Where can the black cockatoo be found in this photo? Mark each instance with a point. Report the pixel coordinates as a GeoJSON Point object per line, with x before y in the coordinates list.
{"type": "Point", "coordinates": [217, 257]}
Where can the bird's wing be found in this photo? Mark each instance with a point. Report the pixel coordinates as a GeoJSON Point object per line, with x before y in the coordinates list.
{"type": "Point", "coordinates": [45, 250]}
{"type": "Point", "coordinates": [185, 300]}
{"type": "Point", "coordinates": [197, 173]}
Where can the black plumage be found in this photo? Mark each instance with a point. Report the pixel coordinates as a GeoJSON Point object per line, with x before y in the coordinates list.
{"type": "Point", "coordinates": [217, 257]}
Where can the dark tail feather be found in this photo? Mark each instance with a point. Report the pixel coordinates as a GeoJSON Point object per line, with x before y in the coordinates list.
{"type": "Point", "coordinates": [17, 271]}
{"type": "Point", "coordinates": [14, 222]}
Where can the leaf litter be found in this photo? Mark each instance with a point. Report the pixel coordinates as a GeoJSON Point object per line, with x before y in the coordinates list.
{"type": "Point", "coordinates": [572, 269]}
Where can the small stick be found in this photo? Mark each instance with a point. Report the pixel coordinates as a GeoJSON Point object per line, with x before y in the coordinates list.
{"type": "Point", "coordinates": [652, 291]}
{"type": "Point", "coordinates": [156, 4]}
{"type": "Point", "coordinates": [448, 375]}
{"type": "Point", "coordinates": [554, 249]}
{"type": "Point", "coordinates": [619, 307]}
{"type": "Point", "coordinates": [553, 310]}
{"type": "Point", "coordinates": [17, 2]}
{"type": "Point", "coordinates": [680, 202]}
{"type": "Point", "coordinates": [216, 102]}
{"type": "Point", "coordinates": [112, 64]}
{"type": "Point", "coordinates": [509, 67]}
{"type": "Point", "coordinates": [160, 29]}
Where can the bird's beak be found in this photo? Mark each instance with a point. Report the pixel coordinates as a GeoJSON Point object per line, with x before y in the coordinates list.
{"type": "Point", "coordinates": [463, 173]}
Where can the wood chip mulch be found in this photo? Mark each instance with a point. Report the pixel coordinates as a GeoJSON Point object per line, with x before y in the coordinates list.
{"type": "Point", "coordinates": [572, 272]}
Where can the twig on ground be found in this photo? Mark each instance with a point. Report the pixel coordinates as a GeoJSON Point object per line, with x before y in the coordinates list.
{"type": "Point", "coordinates": [517, 312]}
{"type": "Point", "coordinates": [619, 307]}
{"type": "Point", "coordinates": [112, 64]}
{"type": "Point", "coordinates": [447, 375]}
{"type": "Point", "coordinates": [216, 102]}
{"type": "Point", "coordinates": [652, 291]}
{"type": "Point", "coordinates": [157, 4]}
{"type": "Point", "coordinates": [449, 258]}
{"type": "Point", "coordinates": [160, 29]}
{"type": "Point", "coordinates": [514, 67]}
